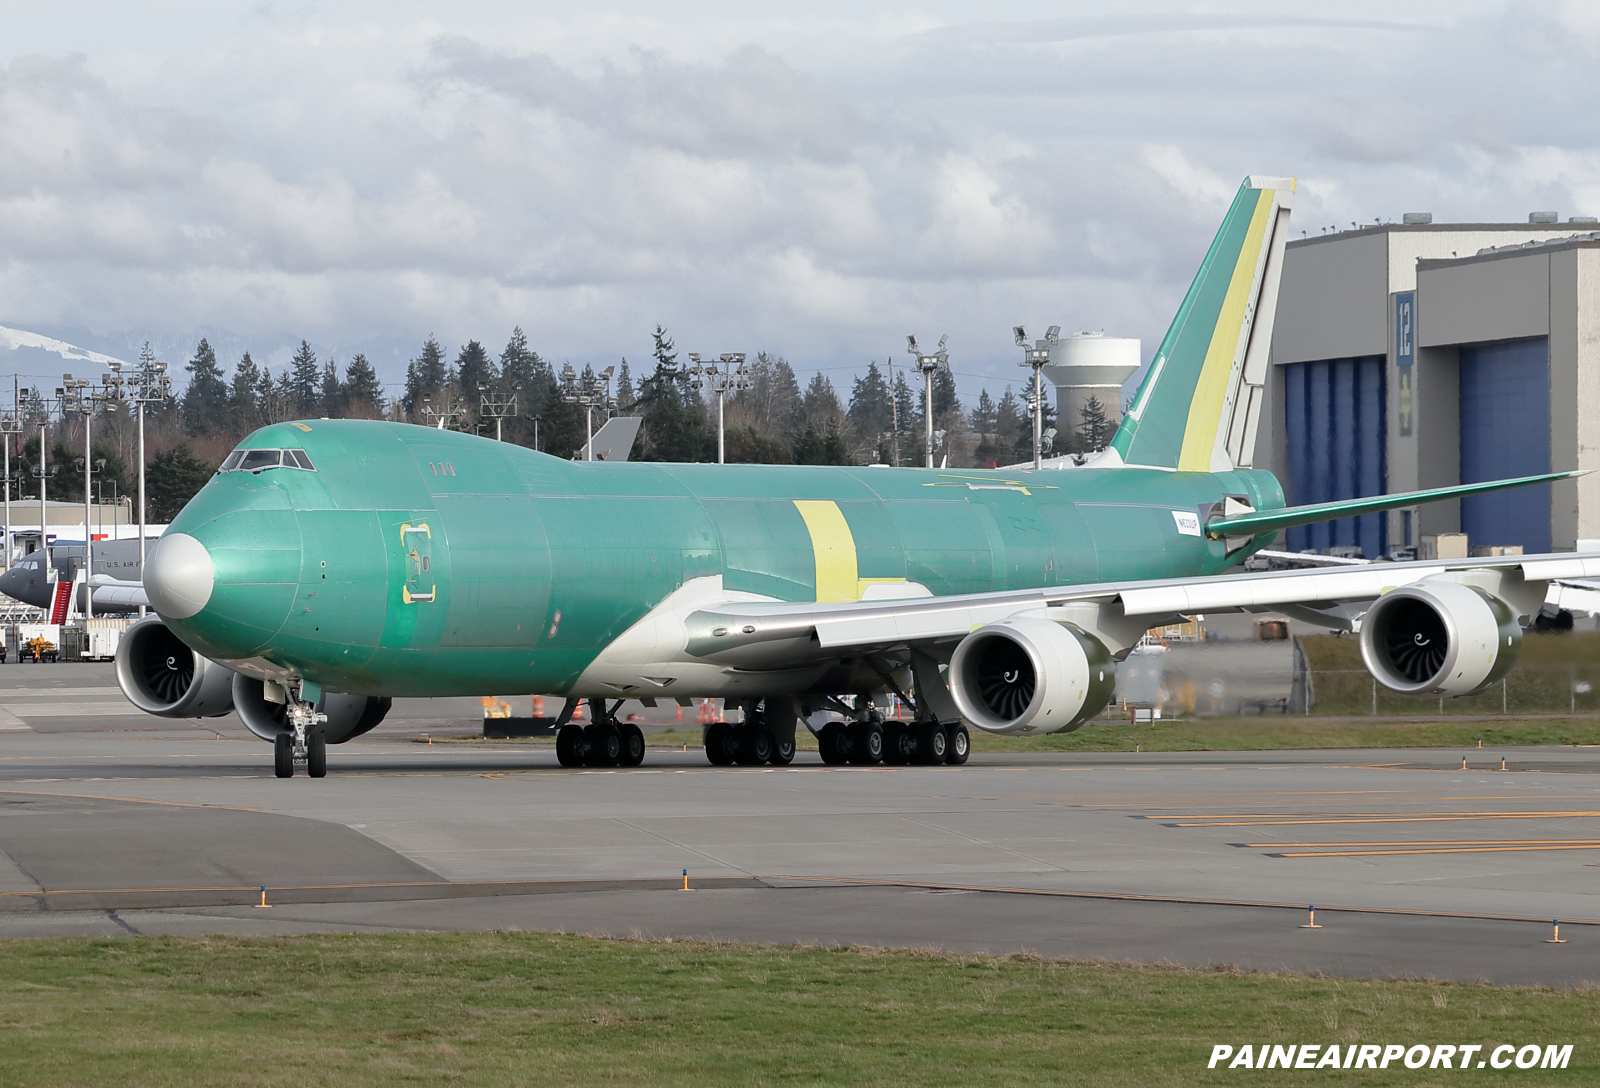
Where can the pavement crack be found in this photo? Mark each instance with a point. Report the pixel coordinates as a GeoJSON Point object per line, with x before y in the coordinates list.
{"type": "Point", "coordinates": [117, 918]}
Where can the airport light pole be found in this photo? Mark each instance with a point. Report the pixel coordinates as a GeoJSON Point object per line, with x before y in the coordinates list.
{"type": "Point", "coordinates": [148, 384]}
{"type": "Point", "coordinates": [591, 392]}
{"type": "Point", "coordinates": [1037, 357]}
{"type": "Point", "coordinates": [78, 399]}
{"type": "Point", "coordinates": [930, 364]}
{"type": "Point", "coordinates": [10, 424]}
{"type": "Point", "coordinates": [38, 415]}
{"type": "Point", "coordinates": [536, 422]}
{"type": "Point", "coordinates": [497, 406]}
{"type": "Point", "coordinates": [732, 375]}
{"type": "Point", "coordinates": [445, 416]}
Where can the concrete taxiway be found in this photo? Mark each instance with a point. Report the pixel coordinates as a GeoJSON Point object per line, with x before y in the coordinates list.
{"type": "Point", "coordinates": [115, 823]}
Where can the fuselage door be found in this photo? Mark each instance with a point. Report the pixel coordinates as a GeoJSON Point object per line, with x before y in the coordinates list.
{"type": "Point", "coordinates": [416, 541]}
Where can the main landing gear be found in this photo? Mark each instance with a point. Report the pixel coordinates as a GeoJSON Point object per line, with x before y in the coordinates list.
{"type": "Point", "coordinates": [604, 742]}
{"type": "Point", "coordinates": [304, 745]}
{"type": "Point", "coordinates": [765, 736]}
{"type": "Point", "coordinates": [874, 740]}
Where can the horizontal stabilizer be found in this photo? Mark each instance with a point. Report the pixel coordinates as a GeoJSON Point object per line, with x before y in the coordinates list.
{"type": "Point", "coordinates": [1265, 521]}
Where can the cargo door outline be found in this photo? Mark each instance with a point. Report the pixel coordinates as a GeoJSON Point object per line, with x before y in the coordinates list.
{"type": "Point", "coordinates": [416, 542]}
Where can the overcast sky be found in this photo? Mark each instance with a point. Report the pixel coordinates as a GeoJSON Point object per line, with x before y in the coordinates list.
{"type": "Point", "coordinates": [816, 180]}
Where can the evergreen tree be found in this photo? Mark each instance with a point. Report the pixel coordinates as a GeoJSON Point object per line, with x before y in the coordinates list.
{"type": "Point", "coordinates": [984, 415]}
{"type": "Point", "coordinates": [425, 376]}
{"type": "Point", "coordinates": [625, 397]}
{"type": "Point", "coordinates": [945, 400]}
{"type": "Point", "coordinates": [870, 411]}
{"type": "Point", "coordinates": [205, 402]}
{"type": "Point", "coordinates": [674, 427]}
{"type": "Point", "coordinates": [474, 370]}
{"type": "Point", "coordinates": [363, 393]}
{"type": "Point", "coordinates": [244, 411]}
{"type": "Point", "coordinates": [333, 391]}
{"type": "Point", "coordinates": [820, 409]}
{"type": "Point", "coordinates": [1095, 429]}
{"type": "Point", "coordinates": [815, 447]}
{"type": "Point", "coordinates": [522, 371]}
{"type": "Point", "coordinates": [908, 413]}
{"type": "Point", "coordinates": [174, 477]}
{"type": "Point", "coordinates": [1009, 420]}
{"type": "Point", "coordinates": [305, 383]}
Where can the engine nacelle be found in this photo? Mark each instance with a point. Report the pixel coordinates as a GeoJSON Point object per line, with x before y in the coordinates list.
{"type": "Point", "coordinates": [162, 676]}
{"type": "Point", "coordinates": [1439, 638]}
{"type": "Point", "coordinates": [1030, 675]}
{"type": "Point", "coordinates": [348, 715]}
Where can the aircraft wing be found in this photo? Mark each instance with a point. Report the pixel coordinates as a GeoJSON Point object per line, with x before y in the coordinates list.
{"type": "Point", "coordinates": [750, 634]}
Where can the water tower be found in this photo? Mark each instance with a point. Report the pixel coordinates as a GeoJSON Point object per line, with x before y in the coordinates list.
{"type": "Point", "coordinates": [1090, 364]}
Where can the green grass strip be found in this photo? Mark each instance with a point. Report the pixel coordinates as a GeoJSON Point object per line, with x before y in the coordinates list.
{"type": "Point", "coordinates": [538, 1009]}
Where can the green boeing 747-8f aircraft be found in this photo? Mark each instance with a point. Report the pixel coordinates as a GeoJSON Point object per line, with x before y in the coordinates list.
{"type": "Point", "coordinates": [331, 565]}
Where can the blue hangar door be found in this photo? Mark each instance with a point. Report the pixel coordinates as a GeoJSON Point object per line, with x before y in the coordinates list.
{"type": "Point", "coordinates": [1337, 432]}
{"type": "Point", "coordinates": [1505, 431]}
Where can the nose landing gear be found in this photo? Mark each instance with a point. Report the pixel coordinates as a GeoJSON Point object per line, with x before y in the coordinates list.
{"type": "Point", "coordinates": [304, 744]}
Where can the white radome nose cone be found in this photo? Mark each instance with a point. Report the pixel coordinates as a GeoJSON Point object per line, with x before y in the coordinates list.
{"type": "Point", "coordinates": [178, 576]}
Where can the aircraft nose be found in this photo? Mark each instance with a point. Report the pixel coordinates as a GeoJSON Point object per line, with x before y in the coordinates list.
{"type": "Point", "coordinates": [178, 576]}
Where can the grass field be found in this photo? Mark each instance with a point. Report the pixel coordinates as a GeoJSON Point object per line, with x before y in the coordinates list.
{"type": "Point", "coordinates": [531, 1009]}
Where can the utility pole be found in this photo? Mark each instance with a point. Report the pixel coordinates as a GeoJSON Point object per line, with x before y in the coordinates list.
{"type": "Point", "coordinates": [732, 375]}
{"type": "Point", "coordinates": [497, 406]}
{"type": "Point", "coordinates": [38, 414]}
{"type": "Point", "coordinates": [148, 384]}
{"type": "Point", "coordinates": [929, 364]}
{"type": "Point", "coordinates": [591, 392]}
{"type": "Point", "coordinates": [1037, 357]}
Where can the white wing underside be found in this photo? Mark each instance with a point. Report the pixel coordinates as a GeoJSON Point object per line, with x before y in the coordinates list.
{"type": "Point", "coordinates": [1522, 580]}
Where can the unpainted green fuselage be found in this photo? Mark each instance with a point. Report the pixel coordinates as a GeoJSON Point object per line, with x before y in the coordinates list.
{"type": "Point", "coordinates": [420, 562]}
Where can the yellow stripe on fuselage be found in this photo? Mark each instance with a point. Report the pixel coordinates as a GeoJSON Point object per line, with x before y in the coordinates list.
{"type": "Point", "coordinates": [1205, 410]}
{"type": "Point", "coordinates": [834, 549]}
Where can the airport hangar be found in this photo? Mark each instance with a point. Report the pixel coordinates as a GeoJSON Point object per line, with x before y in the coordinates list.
{"type": "Point", "coordinates": [1417, 354]}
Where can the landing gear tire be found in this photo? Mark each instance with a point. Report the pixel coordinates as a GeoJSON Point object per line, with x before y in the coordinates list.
{"type": "Point", "coordinates": [721, 744]}
{"type": "Point", "coordinates": [632, 745]}
{"type": "Point", "coordinates": [283, 755]}
{"type": "Point", "coordinates": [755, 746]}
{"type": "Point", "coordinates": [570, 746]}
{"type": "Point", "coordinates": [317, 755]}
{"type": "Point", "coordinates": [960, 746]}
{"type": "Point", "coordinates": [897, 744]}
{"type": "Point", "coordinates": [867, 743]}
{"type": "Point", "coordinates": [605, 744]}
{"type": "Point", "coordinates": [782, 752]}
{"type": "Point", "coordinates": [835, 744]}
{"type": "Point", "coordinates": [932, 744]}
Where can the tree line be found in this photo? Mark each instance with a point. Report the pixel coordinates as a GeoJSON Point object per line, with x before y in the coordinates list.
{"type": "Point", "coordinates": [771, 420]}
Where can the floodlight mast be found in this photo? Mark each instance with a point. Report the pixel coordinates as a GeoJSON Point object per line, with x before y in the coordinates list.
{"type": "Point", "coordinates": [1037, 357]}
{"type": "Point", "coordinates": [10, 424]}
{"type": "Point", "coordinates": [732, 376]}
{"type": "Point", "coordinates": [929, 364]}
{"type": "Point", "coordinates": [592, 391]}
{"type": "Point", "coordinates": [78, 397]}
{"type": "Point", "coordinates": [149, 383]}
{"type": "Point", "coordinates": [497, 405]}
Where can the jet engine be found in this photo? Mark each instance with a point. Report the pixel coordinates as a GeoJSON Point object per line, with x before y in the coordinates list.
{"type": "Point", "coordinates": [1031, 675]}
{"type": "Point", "coordinates": [1439, 638]}
{"type": "Point", "coordinates": [348, 715]}
{"type": "Point", "coordinates": [162, 676]}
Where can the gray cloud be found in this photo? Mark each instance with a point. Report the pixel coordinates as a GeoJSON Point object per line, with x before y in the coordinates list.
{"type": "Point", "coordinates": [816, 185]}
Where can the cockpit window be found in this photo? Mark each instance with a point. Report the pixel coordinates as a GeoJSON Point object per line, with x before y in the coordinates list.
{"type": "Point", "coordinates": [256, 460]}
